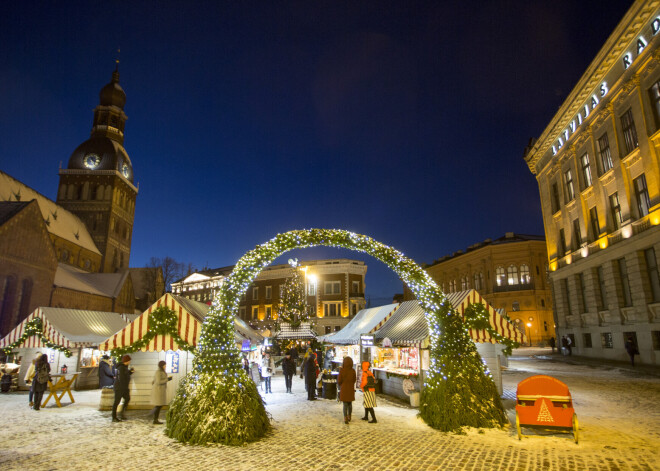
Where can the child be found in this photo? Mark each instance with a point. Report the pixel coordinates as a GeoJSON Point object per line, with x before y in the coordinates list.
{"type": "Point", "coordinates": [368, 386]}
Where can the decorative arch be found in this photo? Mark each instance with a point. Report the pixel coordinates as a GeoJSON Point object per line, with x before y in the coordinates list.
{"type": "Point", "coordinates": [217, 402]}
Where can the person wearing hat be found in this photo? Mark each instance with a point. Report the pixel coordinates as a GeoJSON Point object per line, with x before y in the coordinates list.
{"type": "Point", "coordinates": [106, 373]}
{"type": "Point", "coordinates": [122, 388]}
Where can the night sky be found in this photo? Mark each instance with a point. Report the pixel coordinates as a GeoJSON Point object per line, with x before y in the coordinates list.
{"type": "Point", "coordinates": [404, 121]}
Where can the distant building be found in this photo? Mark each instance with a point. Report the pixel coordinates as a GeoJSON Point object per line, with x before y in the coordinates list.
{"type": "Point", "coordinates": [335, 290]}
{"type": "Point", "coordinates": [510, 273]}
{"type": "Point", "coordinates": [597, 168]}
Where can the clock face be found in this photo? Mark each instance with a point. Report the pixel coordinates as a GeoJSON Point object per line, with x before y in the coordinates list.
{"type": "Point", "coordinates": [91, 161]}
{"type": "Point", "coordinates": [124, 170]}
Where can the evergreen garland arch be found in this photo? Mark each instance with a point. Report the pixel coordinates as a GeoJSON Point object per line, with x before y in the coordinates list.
{"type": "Point", "coordinates": [217, 403]}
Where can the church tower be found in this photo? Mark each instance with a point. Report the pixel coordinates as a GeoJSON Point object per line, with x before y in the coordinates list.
{"type": "Point", "coordinates": [98, 186]}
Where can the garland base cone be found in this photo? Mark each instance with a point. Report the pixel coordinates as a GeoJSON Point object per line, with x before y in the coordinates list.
{"type": "Point", "coordinates": [213, 409]}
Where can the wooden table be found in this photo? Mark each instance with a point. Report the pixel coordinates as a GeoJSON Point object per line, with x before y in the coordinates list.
{"type": "Point", "coordinates": [60, 383]}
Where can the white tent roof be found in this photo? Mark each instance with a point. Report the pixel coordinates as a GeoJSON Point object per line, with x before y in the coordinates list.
{"type": "Point", "coordinates": [364, 322]}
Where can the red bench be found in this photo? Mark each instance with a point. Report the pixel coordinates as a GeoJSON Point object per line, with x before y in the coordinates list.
{"type": "Point", "coordinates": [545, 402]}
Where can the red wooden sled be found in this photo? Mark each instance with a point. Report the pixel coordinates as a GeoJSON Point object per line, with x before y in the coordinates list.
{"type": "Point", "coordinates": [545, 402]}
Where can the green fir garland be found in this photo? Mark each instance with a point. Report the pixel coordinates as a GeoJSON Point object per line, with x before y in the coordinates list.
{"type": "Point", "coordinates": [476, 316]}
{"type": "Point", "coordinates": [459, 390]}
{"type": "Point", "coordinates": [162, 321]}
{"type": "Point", "coordinates": [35, 327]}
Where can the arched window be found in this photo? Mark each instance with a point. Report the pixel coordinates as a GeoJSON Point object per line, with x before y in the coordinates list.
{"type": "Point", "coordinates": [512, 275]}
{"type": "Point", "coordinates": [500, 276]}
{"type": "Point", "coordinates": [525, 277]}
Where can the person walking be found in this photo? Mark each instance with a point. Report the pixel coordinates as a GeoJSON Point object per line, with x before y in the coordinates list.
{"type": "Point", "coordinates": [569, 345]}
{"type": "Point", "coordinates": [289, 369]}
{"type": "Point", "coordinates": [368, 386]}
{"type": "Point", "coordinates": [346, 382]}
{"type": "Point", "coordinates": [106, 373]}
{"type": "Point", "coordinates": [552, 344]}
{"type": "Point", "coordinates": [159, 391]}
{"type": "Point", "coordinates": [122, 387]}
{"type": "Point", "coordinates": [631, 349]}
{"type": "Point", "coordinates": [29, 378]}
{"type": "Point", "coordinates": [267, 370]}
{"type": "Point", "coordinates": [311, 371]}
{"type": "Point", "coordinates": [41, 378]}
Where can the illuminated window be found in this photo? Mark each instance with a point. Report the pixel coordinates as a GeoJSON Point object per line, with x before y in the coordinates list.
{"type": "Point", "coordinates": [615, 211]}
{"type": "Point", "coordinates": [255, 312]}
{"type": "Point", "coordinates": [500, 276]}
{"type": "Point", "coordinates": [593, 219]}
{"type": "Point", "coordinates": [605, 154]}
{"type": "Point", "coordinates": [577, 234]}
{"type": "Point", "coordinates": [332, 309]}
{"type": "Point", "coordinates": [654, 93]}
{"type": "Point", "coordinates": [570, 189]}
{"type": "Point", "coordinates": [555, 198]}
{"type": "Point", "coordinates": [311, 288]}
{"type": "Point", "coordinates": [512, 275]}
{"type": "Point", "coordinates": [333, 287]}
{"type": "Point", "coordinates": [525, 277]}
{"type": "Point", "coordinates": [586, 171]}
{"type": "Point", "coordinates": [629, 131]}
{"type": "Point", "coordinates": [642, 195]}
{"type": "Point", "coordinates": [269, 311]}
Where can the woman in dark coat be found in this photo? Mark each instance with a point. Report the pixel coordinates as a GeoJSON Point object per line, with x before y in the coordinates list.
{"type": "Point", "coordinates": [289, 369]}
{"type": "Point", "coordinates": [106, 373]}
{"type": "Point", "coordinates": [311, 368]}
{"type": "Point", "coordinates": [41, 377]}
{"type": "Point", "coordinates": [122, 389]}
{"type": "Point", "coordinates": [346, 382]}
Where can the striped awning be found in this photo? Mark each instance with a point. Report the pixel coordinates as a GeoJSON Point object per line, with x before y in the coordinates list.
{"type": "Point", "coordinates": [68, 328]}
{"type": "Point", "coordinates": [189, 328]}
{"type": "Point", "coordinates": [365, 321]}
{"type": "Point", "coordinates": [408, 325]}
{"type": "Point", "coordinates": [303, 332]}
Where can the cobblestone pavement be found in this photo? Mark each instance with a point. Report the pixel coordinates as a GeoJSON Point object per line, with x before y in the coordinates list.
{"type": "Point", "coordinates": [619, 418]}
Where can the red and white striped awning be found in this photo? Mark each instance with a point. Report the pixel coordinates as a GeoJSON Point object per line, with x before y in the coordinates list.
{"type": "Point", "coordinates": [189, 328]}
{"type": "Point", "coordinates": [462, 299]}
{"type": "Point", "coordinates": [68, 328]}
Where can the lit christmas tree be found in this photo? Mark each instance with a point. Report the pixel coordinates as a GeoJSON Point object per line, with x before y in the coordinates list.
{"type": "Point", "coordinates": [293, 308]}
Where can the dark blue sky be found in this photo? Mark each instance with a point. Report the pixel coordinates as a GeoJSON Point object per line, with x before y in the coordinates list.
{"type": "Point", "coordinates": [405, 121]}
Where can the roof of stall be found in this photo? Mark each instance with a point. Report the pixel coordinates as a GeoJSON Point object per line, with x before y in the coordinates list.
{"type": "Point", "coordinates": [190, 317]}
{"type": "Point", "coordinates": [365, 321]}
{"type": "Point", "coordinates": [303, 332]}
{"type": "Point", "coordinates": [408, 325]}
{"type": "Point", "coordinates": [69, 328]}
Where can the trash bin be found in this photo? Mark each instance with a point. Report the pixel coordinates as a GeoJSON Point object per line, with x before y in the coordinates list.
{"type": "Point", "coordinates": [414, 399]}
{"type": "Point", "coordinates": [329, 389]}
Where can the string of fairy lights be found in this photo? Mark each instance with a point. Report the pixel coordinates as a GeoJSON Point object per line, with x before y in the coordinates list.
{"type": "Point", "coordinates": [35, 327]}
{"type": "Point", "coordinates": [206, 408]}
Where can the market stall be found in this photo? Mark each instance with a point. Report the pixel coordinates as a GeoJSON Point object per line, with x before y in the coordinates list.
{"type": "Point", "coordinates": [58, 332]}
{"type": "Point", "coordinates": [400, 355]}
{"type": "Point", "coordinates": [171, 335]}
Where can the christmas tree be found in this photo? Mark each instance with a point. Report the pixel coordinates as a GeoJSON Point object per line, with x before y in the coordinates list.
{"type": "Point", "coordinates": [293, 308]}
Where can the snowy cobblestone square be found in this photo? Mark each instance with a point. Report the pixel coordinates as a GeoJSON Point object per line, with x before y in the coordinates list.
{"type": "Point", "coordinates": [617, 409]}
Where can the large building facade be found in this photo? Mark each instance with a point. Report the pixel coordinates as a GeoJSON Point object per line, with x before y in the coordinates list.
{"type": "Point", "coordinates": [335, 292]}
{"type": "Point", "coordinates": [510, 273]}
{"type": "Point", "coordinates": [597, 167]}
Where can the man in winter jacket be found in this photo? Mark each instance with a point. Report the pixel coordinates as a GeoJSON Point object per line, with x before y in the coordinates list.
{"type": "Point", "coordinates": [311, 370]}
{"type": "Point", "coordinates": [106, 375]}
{"type": "Point", "coordinates": [122, 387]}
{"type": "Point", "coordinates": [289, 369]}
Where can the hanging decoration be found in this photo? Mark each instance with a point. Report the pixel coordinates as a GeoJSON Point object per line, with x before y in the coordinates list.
{"type": "Point", "coordinates": [217, 403]}
{"type": "Point", "coordinates": [35, 327]}
{"type": "Point", "coordinates": [476, 316]}
{"type": "Point", "coordinates": [162, 321]}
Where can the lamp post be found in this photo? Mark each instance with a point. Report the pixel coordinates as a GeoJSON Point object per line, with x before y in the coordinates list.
{"type": "Point", "coordinates": [529, 325]}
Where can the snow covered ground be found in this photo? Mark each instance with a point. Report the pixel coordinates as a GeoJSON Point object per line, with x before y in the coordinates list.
{"type": "Point", "coordinates": [618, 412]}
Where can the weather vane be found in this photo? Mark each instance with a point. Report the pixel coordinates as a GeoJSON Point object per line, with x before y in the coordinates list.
{"type": "Point", "coordinates": [117, 59]}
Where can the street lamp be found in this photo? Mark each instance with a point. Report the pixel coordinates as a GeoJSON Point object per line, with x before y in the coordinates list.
{"type": "Point", "coordinates": [529, 325]}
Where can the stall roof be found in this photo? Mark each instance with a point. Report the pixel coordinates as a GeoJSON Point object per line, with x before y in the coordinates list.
{"type": "Point", "coordinates": [408, 326]}
{"type": "Point", "coordinates": [69, 328]}
{"type": "Point", "coordinates": [364, 322]}
{"type": "Point", "coordinates": [191, 315]}
{"type": "Point", "coordinates": [102, 284]}
{"type": "Point", "coordinates": [303, 332]}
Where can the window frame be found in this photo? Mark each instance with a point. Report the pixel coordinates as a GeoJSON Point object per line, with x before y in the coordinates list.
{"type": "Point", "coordinates": [569, 185]}
{"type": "Point", "coordinates": [605, 154]}
{"type": "Point", "coordinates": [642, 195]}
{"type": "Point", "coordinates": [630, 140]}
{"type": "Point", "coordinates": [333, 283]}
{"type": "Point", "coordinates": [585, 167]}
{"type": "Point", "coordinates": [615, 210]}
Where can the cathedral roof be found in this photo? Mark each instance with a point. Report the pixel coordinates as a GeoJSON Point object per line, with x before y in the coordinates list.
{"type": "Point", "coordinates": [59, 221]}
